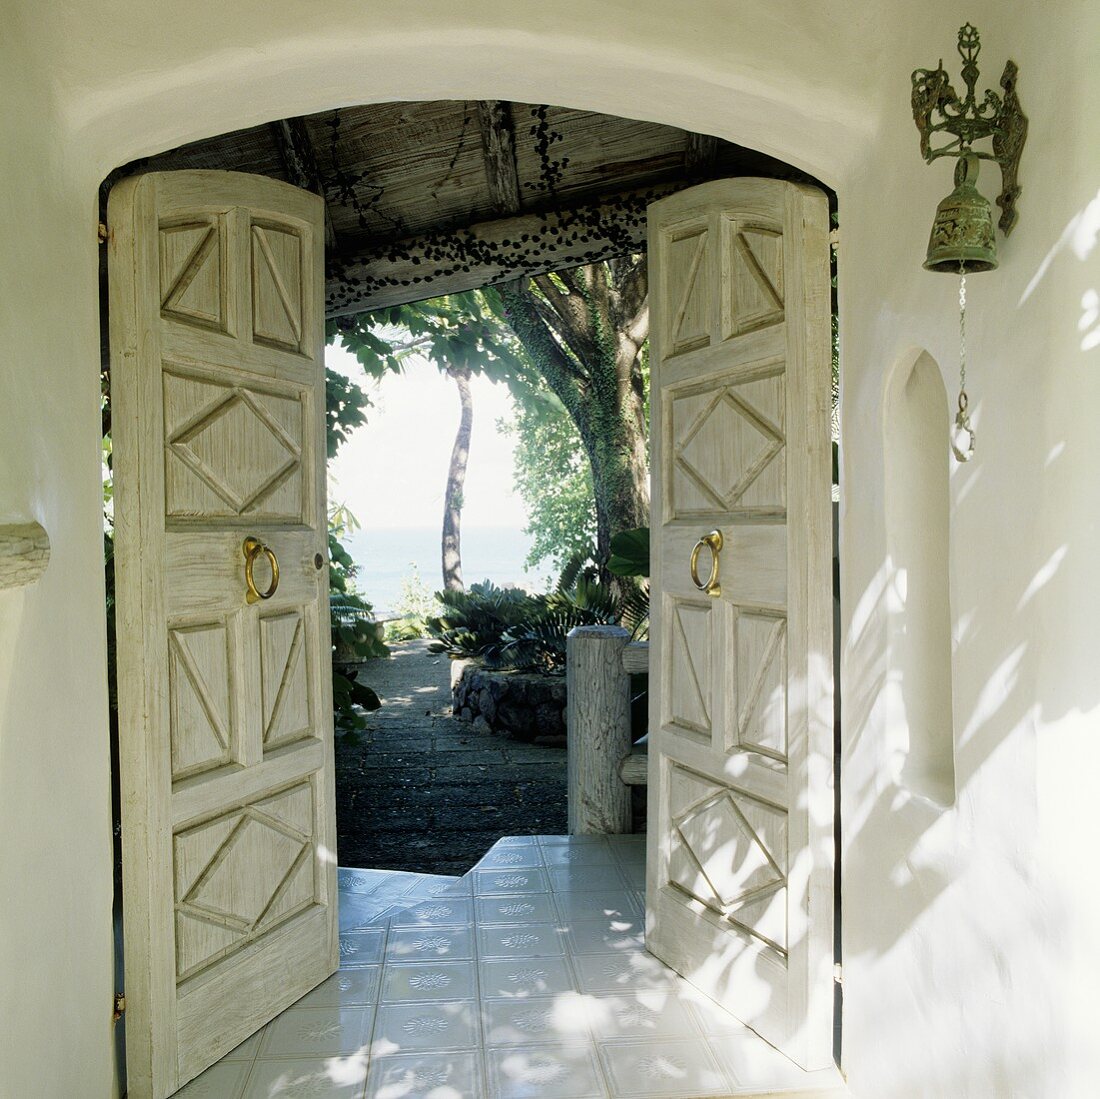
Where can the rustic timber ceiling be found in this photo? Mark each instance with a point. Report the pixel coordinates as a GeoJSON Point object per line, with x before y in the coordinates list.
{"type": "Point", "coordinates": [432, 198]}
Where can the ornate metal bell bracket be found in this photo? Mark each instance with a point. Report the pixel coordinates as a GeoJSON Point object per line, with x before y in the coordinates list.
{"type": "Point", "coordinates": [937, 109]}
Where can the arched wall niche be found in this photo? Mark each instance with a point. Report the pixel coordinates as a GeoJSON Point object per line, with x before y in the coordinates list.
{"type": "Point", "coordinates": [919, 651]}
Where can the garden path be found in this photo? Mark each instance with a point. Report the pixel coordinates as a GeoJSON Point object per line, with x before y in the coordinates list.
{"type": "Point", "coordinates": [422, 791]}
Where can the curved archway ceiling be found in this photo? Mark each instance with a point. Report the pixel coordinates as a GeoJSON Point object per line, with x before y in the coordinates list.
{"type": "Point", "coordinates": [432, 198]}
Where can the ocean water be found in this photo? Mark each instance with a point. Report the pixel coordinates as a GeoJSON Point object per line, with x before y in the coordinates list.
{"type": "Point", "coordinates": [387, 556]}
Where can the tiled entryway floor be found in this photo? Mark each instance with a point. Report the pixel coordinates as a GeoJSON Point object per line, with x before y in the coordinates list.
{"type": "Point", "coordinates": [525, 979]}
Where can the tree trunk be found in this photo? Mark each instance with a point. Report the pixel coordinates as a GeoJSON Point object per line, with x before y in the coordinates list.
{"type": "Point", "coordinates": [616, 449]}
{"type": "Point", "coordinates": [456, 479]}
{"type": "Point", "coordinates": [605, 401]}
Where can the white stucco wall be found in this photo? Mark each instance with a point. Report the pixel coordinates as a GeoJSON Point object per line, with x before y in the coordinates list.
{"type": "Point", "coordinates": [970, 965]}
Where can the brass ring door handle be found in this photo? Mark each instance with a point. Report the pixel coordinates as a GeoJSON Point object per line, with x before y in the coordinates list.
{"type": "Point", "coordinates": [253, 549]}
{"type": "Point", "coordinates": [713, 541]}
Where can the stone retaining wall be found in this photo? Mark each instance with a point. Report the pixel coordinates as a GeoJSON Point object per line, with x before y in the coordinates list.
{"type": "Point", "coordinates": [523, 705]}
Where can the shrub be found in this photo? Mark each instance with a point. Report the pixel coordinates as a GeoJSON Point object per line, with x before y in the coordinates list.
{"type": "Point", "coordinates": [415, 605]}
{"type": "Point", "coordinates": [511, 628]}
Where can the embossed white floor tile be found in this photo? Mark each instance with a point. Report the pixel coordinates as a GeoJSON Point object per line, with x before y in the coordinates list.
{"type": "Point", "coordinates": [431, 882]}
{"type": "Point", "coordinates": [575, 841]}
{"type": "Point", "coordinates": [658, 1013]}
{"type": "Point", "coordinates": [425, 1076]}
{"type": "Point", "coordinates": [607, 935]}
{"type": "Point", "coordinates": [360, 948]}
{"type": "Point", "coordinates": [509, 858]}
{"type": "Point", "coordinates": [317, 1032]}
{"type": "Point", "coordinates": [625, 971]}
{"type": "Point", "coordinates": [346, 987]}
{"type": "Point", "coordinates": [246, 1051]}
{"type": "Point", "coordinates": [522, 978]}
{"type": "Point", "coordinates": [653, 1013]}
{"type": "Point", "coordinates": [524, 908]}
{"type": "Point", "coordinates": [490, 883]}
{"type": "Point", "coordinates": [753, 1065]}
{"type": "Point", "coordinates": [633, 874]}
{"type": "Point", "coordinates": [527, 1022]}
{"type": "Point", "coordinates": [411, 886]}
{"type": "Point", "coordinates": [450, 887]}
{"type": "Point", "coordinates": [225, 1080]}
{"type": "Point", "coordinates": [590, 906]}
{"type": "Point", "coordinates": [713, 1021]}
{"type": "Point", "coordinates": [525, 940]}
{"type": "Point", "coordinates": [585, 879]}
{"type": "Point", "coordinates": [360, 911]}
{"type": "Point", "coordinates": [405, 1028]}
{"type": "Point", "coordinates": [566, 1071]}
{"type": "Point", "coordinates": [437, 912]}
{"type": "Point", "coordinates": [624, 846]}
{"type": "Point", "coordinates": [579, 854]}
{"type": "Point", "coordinates": [516, 841]}
{"type": "Point", "coordinates": [360, 881]}
{"type": "Point", "coordinates": [670, 1067]}
{"type": "Point", "coordinates": [312, 1078]}
{"type": "Point", "coordinates": [427, 944]}
{"type": "Point", "coordinates": [405, 981]}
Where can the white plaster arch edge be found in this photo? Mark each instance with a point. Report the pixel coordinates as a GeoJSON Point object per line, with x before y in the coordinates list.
{"type": "Point", "coordinates": [785, 113]}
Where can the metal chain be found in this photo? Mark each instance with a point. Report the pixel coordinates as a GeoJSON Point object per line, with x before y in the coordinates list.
{"type": "Point", "coordinates": [962, 437]}
{"type": "Point", "coordinates": [962, 329]}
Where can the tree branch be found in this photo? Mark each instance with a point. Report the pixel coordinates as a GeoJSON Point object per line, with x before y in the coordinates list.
{"type": "Point", "coordinates": [633, 293]}
{"type": "Point", "coordinates": [533, 333]}
{"type": "Point", "coordinates": [572, 321]}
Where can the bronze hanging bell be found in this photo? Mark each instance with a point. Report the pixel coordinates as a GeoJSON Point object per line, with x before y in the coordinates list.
{"type": "Point", "coordinates": [962, 239]}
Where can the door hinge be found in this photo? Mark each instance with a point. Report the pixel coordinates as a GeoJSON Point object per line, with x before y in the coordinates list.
{"type": "Point", "coordinates": [838, 974]}
{"type": "Point", "coordinates": [120, 1006]}
{"type": "Point", "coordinates": [101, 233]}
{"type": "Point", "coordinates": [834, 238]}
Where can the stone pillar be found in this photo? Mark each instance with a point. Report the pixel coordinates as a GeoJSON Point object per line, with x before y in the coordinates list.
{"type": "Point", "coordinates": [598, 722]}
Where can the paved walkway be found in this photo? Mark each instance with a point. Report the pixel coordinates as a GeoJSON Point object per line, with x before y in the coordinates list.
{"type": "Point", "coordinates": [422, 791]}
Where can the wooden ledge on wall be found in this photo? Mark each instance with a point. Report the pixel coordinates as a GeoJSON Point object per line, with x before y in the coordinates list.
{"type": "Point", "coordinates": [24, 554]}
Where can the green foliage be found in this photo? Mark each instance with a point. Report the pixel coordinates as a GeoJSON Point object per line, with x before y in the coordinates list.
{"type": "Point", "coordinates": [415, 605]}
{"type": "Point", "coordinates": [345, 409]}
{"type": "Point", "coordinates": [457, 330]}
{"type": "Point", "coordinates": [541, 642]}
{"type": "Point", "coordinates": [630, 553]}
{"type": "Point", "coordinates": [349, 697]}
{"type": "Point", "coordinates": [477, 622]}
{"type": "Point", "coordinates": [553, 477]}
{"type": "Point", "coordinates": [355, 634]}
{"type": "Point", "coordinates": [511, 628]}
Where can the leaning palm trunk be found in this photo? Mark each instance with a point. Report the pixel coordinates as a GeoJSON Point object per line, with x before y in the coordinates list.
{"type": "Point", "coordinates": [456, 479]}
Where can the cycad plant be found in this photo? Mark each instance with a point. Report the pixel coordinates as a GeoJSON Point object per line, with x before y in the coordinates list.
{"type": "Point", "coordinates": [509, 628]}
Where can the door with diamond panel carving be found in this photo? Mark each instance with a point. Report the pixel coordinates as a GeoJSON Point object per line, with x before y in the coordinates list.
{"type": "Point", "coordinates": [739, 879]}
{"type": "Point", "coordinates": [225, 711]}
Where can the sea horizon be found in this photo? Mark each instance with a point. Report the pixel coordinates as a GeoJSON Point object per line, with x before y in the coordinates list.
{"type": "Point", "coordinates": [386, 556]}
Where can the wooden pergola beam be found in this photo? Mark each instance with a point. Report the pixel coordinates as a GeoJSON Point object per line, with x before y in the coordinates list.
{"type": "Point", "coordinates": [498, 140]}
{"type": "Point", "coordinates": [300, 162]}
{"type": "Point", "coordinates": [490, 252]}
{"type": "Point", "coordinates": [700, 155]}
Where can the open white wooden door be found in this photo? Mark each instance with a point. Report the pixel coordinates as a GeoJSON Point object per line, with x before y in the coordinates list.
{"type": "Point", "coordinates": [739, 879]}
{"type": "Point", "coordinates": [228, 822]}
